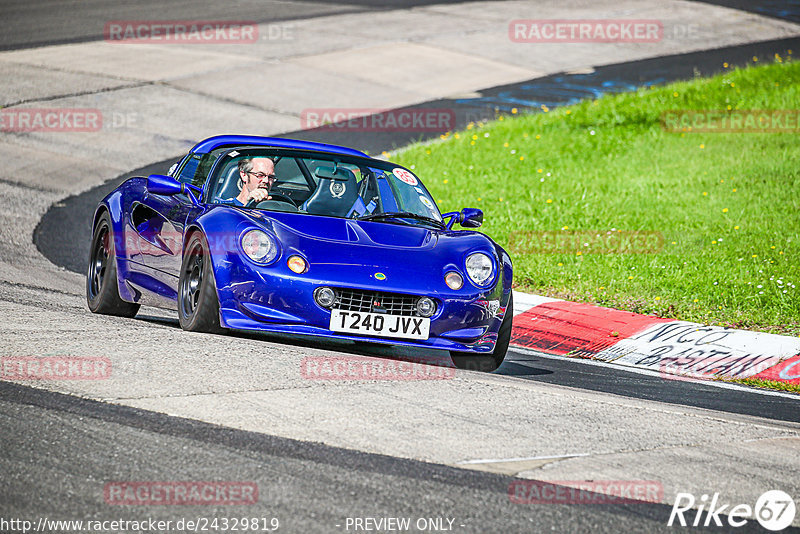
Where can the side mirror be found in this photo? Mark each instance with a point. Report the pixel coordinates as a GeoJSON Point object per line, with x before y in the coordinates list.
{"type": "Point", "coordinates": [159, 184]}
{"type": "Point", "coordinates": [471, 217]}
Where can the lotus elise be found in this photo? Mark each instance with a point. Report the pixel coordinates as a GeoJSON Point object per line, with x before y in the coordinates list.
{"type": "Point", "coordinates": [337, 245]}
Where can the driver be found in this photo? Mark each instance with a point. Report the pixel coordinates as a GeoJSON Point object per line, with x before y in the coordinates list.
{"type": "Point", "coordinates": [256, 176]}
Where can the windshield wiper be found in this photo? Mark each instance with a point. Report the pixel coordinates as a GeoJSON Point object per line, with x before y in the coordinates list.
{"type": "Point", "coordinates": [401, 215]}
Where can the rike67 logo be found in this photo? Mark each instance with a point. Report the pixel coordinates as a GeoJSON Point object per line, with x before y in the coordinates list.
{"type": "Point", "coordinates": [774, 510]}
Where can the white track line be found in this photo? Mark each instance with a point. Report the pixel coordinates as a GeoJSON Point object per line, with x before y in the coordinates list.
{"type": "Point", "coordinates": [529, 458]}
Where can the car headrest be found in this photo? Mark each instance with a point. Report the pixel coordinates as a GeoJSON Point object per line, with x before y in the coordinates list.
{"type": "Point", "coordinates": [229, 181]}
{"type": "Point", "coordinates": [335, 193]}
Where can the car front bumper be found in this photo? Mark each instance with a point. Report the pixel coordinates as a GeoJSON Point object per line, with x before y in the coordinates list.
{"type": "Point", "coordinates": [274, 299]}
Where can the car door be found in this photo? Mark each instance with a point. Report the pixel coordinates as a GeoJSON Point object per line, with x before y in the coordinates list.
{"type": "Point", "coordinates": [160, 220]}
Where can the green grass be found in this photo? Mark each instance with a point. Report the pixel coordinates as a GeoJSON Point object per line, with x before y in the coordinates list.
{"type": "Point", "coordinates": [766, 384]}
{"type": "Point", "coordinates": [727, 204]}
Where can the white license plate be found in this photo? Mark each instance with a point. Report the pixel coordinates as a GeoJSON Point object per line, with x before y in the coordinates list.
{"type": "Point", "coordinates": [380, 324]}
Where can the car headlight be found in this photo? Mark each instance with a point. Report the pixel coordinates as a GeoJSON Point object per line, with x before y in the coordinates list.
{"type": "Point", "coordinates": [259, 246]}
{"type": "Point", "coordinates": [479, 268]}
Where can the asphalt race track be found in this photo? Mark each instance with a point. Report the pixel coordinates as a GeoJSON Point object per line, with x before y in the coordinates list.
{"type": "Point", "coordinates": [33, 24]}
{"type": "Point", "coordinates": [72, 217]}
{"type": "Point", "coordinates": [232, 408]}
{"type": "Point", "coordinates": [308, 486]}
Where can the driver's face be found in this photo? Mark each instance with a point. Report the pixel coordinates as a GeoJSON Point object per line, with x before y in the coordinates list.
{"type": "Point", "coordinates": [260, 176]}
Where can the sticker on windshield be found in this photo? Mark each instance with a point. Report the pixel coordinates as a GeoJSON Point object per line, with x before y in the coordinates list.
{"type": "Point", "coordinates": [427, 202]}
{"type": "Point", "coordinates": [232, 154]}
{"type": "Point", "coordinates": [405, 176]}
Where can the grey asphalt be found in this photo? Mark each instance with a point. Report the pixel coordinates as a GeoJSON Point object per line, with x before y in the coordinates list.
{"type": "Point", "coordinates": [617, 381]}
{"type": "Point", "coordinates": [563, 88]}
{"type": "Point", "coordinates": [28, 24]}
{"type": "Point", "coordinates": [780, 9]}
{"type": "Point", "coordinates": [58, 450]}
{"type": "Point", "coordinates": [63, 234]}
{"type": "Point", "coordinates": [306, 486]}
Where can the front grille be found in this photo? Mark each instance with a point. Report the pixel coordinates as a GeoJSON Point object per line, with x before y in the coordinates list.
{"type": "Point", "coordinates": [365, 301]}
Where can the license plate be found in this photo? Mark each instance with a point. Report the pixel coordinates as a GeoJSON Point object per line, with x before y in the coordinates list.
{"type": "Point", "coordinates": [379, 324]}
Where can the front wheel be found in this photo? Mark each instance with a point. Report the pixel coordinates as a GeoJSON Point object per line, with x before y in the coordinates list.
{"type": "Point", "coordinates": [102, 293]}
{"type": "Point", "coordinates": [489, 362]}
{"type": "Point", "coordinates": [198, 305]}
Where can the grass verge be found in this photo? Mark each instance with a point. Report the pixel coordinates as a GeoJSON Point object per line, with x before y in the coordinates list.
{"type": "Point", "coordinates": [766, 384]}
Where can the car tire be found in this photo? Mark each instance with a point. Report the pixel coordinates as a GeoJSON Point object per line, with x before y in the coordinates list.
{"type": "Point", "coordinates": [487, 363]}
{"type": "Point", "coordinates": [198, 304]}
{"type": "Point", "coordinates": [102, 292]}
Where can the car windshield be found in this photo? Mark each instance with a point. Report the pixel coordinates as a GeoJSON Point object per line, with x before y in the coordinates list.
{"type": "Point", "coordinates": [322, 184]}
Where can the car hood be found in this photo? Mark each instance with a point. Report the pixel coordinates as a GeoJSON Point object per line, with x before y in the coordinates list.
{"type": "Point", "coordinates": [312, 230]}
{"type": "Point", "coordinates": [365, 253]}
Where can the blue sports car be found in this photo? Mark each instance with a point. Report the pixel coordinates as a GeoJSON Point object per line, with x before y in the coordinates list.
{"type": "Point", "coordinates": [278, 235]}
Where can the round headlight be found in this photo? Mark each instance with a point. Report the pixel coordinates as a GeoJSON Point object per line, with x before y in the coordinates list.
{"type": "Point", "coordinates": [297, 264]}
{"type": "Point", "coordinates": [325, 297]}
{"type": "Point", "coordinates": [479, 268]}
{"type": "Point", "coordinates": [259, 246]}
{"type": "Point", "coordinates": [426, 307]}
{"type": "Point", "coordinates": [453, 280]}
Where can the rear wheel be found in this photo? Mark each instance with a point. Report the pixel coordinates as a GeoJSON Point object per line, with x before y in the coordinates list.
{"type": "Point", "coordinates": [198, 305]}
{"type": "Point", "coordinates": [102, 293]}
{"type": "Point", "coordinates": [488, 362]}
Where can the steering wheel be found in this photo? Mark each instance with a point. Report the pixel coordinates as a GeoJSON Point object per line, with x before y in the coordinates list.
{"type": "Point", "coordinates": [272, 196]}
{"type": "Point", "coordinates": [282, 198]}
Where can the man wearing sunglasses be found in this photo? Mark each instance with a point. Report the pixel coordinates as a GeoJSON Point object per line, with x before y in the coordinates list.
{"type": "Point", "coordinates": [256, 176]}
